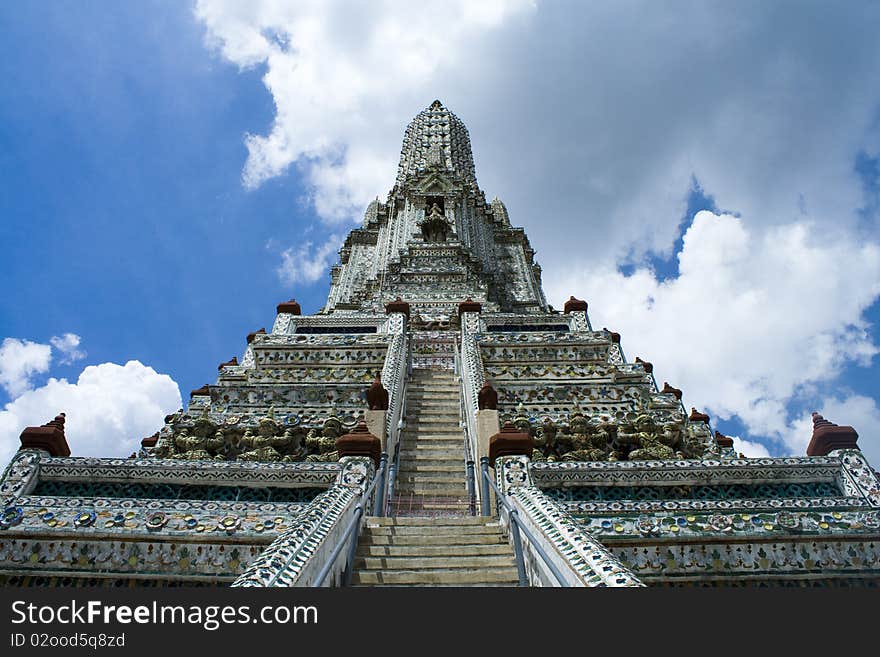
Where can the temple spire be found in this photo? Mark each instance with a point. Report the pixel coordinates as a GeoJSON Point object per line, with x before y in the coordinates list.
{"type": "Point", "coordinates": [436, 140]}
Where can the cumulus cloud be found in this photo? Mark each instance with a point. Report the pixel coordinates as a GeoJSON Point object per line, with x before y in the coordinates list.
{"type": "Point", "coordinates": [305, 264]}
{"type": "Point", "coordinates": [20, 360]}
{"type": "Point", "coordinates": [109, 409]}
{"type": "Point", "coordinates": [751, 318]}
{"type": "Point", "coordinates": [338, 73]}
{"type": "Point", "coordinates": [67, 344]}
{"type": "Point", "coordinates": [749, 448]}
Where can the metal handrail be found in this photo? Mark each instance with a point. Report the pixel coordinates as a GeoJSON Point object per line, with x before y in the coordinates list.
{"type": "Point", "coordinates": [515, 528]}
{"type": "Point", "coordinates": [401, 424]}
{"type": "Point", "coordinates": [468, 407]}
{"type": "Point", "coordinates": [358, 514]}
{"type": "Point", "coordinates": [469, 440]}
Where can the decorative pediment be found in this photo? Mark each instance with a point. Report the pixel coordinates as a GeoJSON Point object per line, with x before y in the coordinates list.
{"type": "Point", "coordinates": [434, 184]}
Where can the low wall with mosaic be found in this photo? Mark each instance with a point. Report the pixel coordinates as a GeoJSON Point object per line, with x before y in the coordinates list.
{"type": "Point", "coordinates": [148, 518]}
{"type": "Point", "coordinates": [815, 519]}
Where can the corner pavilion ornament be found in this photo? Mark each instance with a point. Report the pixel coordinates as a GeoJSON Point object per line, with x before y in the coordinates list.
{"type": "Point", "coordinates": [437, 348]}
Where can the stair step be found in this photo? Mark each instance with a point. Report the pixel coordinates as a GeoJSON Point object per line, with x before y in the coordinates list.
{"type": "Point", "coordinates": [444, 551]}
{"type": "Point", "coordinates": [506, 575]}
{"type": "Point", "coordinates": [448, 562]}
{"type": "Point", "coordinates": [446, 442]}
{"type": "Point", "coordinates": [434, 395]}
{"type": "Point", "coordinates": [439, 446]}
{"type": "Point", "coordinates": [431, 493]}
{"type": "Point", "coordinates": [376, 521]}
{"type": "Point", "coordinates": [410, 469]}
{"type": "Point", "coordinates": [431, 405]}
{"type": "Point", "coordinates": [430, 461]}
{"type": "Point", "coordinates": [413, 430]}
{"type": "Point", "coordinates": [425, 480]}
{"type": "Point", "coordinates": [440, 530]}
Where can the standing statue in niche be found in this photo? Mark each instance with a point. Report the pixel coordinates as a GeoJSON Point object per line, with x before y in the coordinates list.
{"type": "Point", "coordinates": [434, 225]}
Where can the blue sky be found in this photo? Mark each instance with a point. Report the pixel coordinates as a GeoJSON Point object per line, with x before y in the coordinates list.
{"type": "Point", "coordinates": [121, 193]}
{"type": "Point", "coordinates": [172, 171]}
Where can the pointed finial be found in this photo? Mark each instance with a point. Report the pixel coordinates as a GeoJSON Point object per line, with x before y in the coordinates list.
{"type": "Point", "coordinates": [48, 437]}
{"type": "Point", "coordinates": [828, 437]}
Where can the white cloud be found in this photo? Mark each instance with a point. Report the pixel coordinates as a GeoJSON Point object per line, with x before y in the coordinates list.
{"type": "Point", "coordinates": [590, 119]}
{"type": "Point", "coordinates": [749, 448]}
{"type": "Point", "coordinates": [67, 344]}
{"type": "Point", "coordinates": [344, 78]}
{"type": "Point", "coordinates": [750, 319]}
{"type": "Point", "coordinates": [109, 409]}
{"type": "Point", "coordinates": [305, 264]}
{"type": "Point", "coordinates": [20, 360]}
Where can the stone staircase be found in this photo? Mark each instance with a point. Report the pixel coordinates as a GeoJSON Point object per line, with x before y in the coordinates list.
{"type": "Point", "coordinates": [446, 551]}
{"type": "Point", "coordinates": [431, 538]}
{"type": "Point", "coordinates": [432, 475]}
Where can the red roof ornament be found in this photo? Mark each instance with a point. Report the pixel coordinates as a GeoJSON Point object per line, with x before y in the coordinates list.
{"type": "Point", "coordinates": [397, 306]}
{"type": "Point", "coordinates": [377, 396]}
{"type": "Point", "coordinates": [204, 391]}
{"type": "Point", "coordinates": [469, 306]}
{"type": "Point", "coordinates": [615, 337]}
{"type": "Point", "coordinates": [669, 390]}
{"type": "Point", "coordinates": [574, 305]}
{"type": "Point", "coordinates": [828, 437]}
{"type": "Point", "coordinates": [230, 362]}
{"type": "Point", "coordinates": [487, 397]}
{"type": "Point", "coordinates": [360, 442]}
{"type": "Point", "coordinates": [251, 336]}
{"type": "Point", "coordinates": [510, 441]}
{"type": "Point", "coordinates": [48, 437]}
{"type": "Point", "coordinates": [291, 307]}
{"type": "Point", "coordinates": [696, 416]}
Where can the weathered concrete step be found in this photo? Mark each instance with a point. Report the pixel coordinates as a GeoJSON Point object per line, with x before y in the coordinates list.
{"type": "Point", "coordinates": [419, 468]}
{"type": "Point", "coordinates": [430, 577]}
{"type": "Point", "coordinates": [414, 430]}
{"type": "Point", "coordinates": [435, 442]}
{"type": "Point", "coordinates": [444, 551]}
{"type": "Point", "coordinates": [432, 417]}
{"type": "Point", "coordinates": [440, 530]}
{"type": "Point", "coordinates": [432, 404]}
{"type": "Point", "coordinates": [431, 492]}
{"type": "Point", "coordinates": [435, 585]}
{"type": "Point", "coordinates": [444, 387]}
{"type": "Point", "coordinates": [434, 499]}
{"type": "Point", "coordinates": [415, 521]}
{"type": "Point", "coordinates": [433, 445]}
{"type": "Point", "coordinates": [433, 395]}
{"type": "Point", "coordinates": [447, 509]}
{"type": "Point", "coordinates": [415, 464]}
{"type": "Point", "coordinates": [423, 479]}
{"type": "Point", "coordinates": [432, 489]}
{"type": "Point", "coordinates": [447, 456]}
{"type": "Point", "coordinates": [448, 462]}
{"type": "Point", "coordinates": [433, 563]}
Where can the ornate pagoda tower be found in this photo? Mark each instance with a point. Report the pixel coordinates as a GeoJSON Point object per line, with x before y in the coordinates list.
{"type": "Point", "coordinates": [390, 437]}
